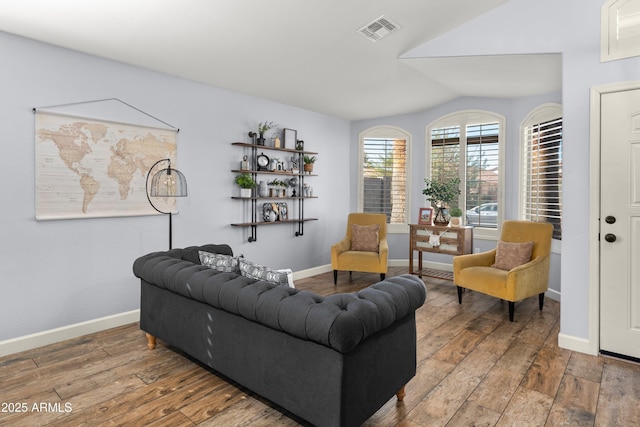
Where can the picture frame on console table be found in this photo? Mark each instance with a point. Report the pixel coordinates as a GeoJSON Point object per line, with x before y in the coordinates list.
{"type": "Point", "coordinates": [426, 216]}
{"type": "Point", "coordinates": [290, 136]}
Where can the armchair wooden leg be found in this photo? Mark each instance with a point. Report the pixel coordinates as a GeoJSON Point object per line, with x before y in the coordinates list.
{"type": "Point", "coordinates": [541, 300]}
{"type": "Point", "coordinates": [151, 341]}
{"type": "Point", "coordinates": [459, 295]}
{"type": "Point", "coordinates": [335, 277]}
{"type": "Point", "coordinates": [512, 307]}
{"type": "Point", "coordinates": [401, 394]}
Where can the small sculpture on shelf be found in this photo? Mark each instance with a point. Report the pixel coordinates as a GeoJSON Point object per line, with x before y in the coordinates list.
{"type": "Point", "coordinates": [293, 183]}
{"type": "Point", "coordinates": [295, 168]}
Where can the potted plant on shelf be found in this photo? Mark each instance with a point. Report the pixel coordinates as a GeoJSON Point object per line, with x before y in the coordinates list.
{"type": "Point", "coordinates": [456, 217]}
{"type": "Point", "coordinates": [308, 163]}
{"type": "Point", "coordinates": [262, 128]}
{"type": "Point", "coordinates": [246, 182]}
{"type": "Point", "coordinates": [279, 188]}
{"type": "Point", "coordinates": [440, 194]}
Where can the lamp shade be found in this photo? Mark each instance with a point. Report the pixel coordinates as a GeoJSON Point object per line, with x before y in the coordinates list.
{"type": "Point", "coordinates": [168, 182]}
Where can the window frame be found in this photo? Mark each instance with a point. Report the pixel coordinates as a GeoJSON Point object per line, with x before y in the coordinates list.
{"type": "Point", "coordinates": [464, 118]}
{"type": "Point", "coordinates": [539, 114]}
{"type": "Point", "coordinates": [388, 132]}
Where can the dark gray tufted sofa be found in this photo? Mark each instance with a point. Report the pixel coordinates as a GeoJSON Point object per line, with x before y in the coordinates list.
{"type": "Point", "coordinates": [333, 361]}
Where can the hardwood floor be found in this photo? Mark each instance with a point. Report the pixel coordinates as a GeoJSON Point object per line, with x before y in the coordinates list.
{"type": "Point", "coordinates": [474, 368]}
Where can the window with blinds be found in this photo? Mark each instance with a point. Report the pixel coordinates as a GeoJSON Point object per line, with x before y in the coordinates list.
{"type": "Point", "coordinates": [482, 173]}
{"type": "Point", "coordinates": [384, 178]}
{"type": "Point", "coordinates": [445, 153]}
{"type": "Point", "coordinates": [470, 152]}
{"type": "Point", "coordinates": [542, 174]}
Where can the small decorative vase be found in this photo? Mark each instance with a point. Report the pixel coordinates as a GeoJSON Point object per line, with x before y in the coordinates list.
{"type": "Point", "coordinates": [272, 216]}
{"type": "Point", "coordinates": [262, 189]}
{"type": "Point", "coordinates": [261, 139]}
{"type": "Point", "coordinates": [440, 218]}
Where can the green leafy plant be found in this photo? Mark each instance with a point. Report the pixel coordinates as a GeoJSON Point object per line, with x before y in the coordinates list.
{"type": "Point", "coordinates": [442, 191]}
{"type": "Point", "coordinates": [277, 183]}
{"type": "Point", "coordinates": [265, 126]}
{"type": "Point", "coordinates": [309, 160]}
{"type": "Point", "coordinates": [455, 212]}
{"type": "Point", "coordinates": [245, 180]}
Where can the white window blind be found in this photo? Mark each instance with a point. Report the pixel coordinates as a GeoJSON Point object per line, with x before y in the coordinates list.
{"type": "Point", "coordinates": [542, 174]}
{"type": "Point", "coordinates": [384, 178]}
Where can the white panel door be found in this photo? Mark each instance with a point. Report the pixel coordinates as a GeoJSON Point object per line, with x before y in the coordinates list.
{"type": "Point", "coordinates": [620, 223]}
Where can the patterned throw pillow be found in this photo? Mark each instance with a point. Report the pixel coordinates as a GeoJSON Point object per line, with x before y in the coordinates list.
{"type": "Point", "coordinates": [260, 272]}
{"type": "Point", "coordinates": [220, 262]}
{"type": "Point", "coordinates": [365, 238]}
{"type": "Point", "coordinates": [510, 255]}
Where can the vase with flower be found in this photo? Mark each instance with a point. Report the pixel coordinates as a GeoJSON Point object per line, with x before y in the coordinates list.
{"type": "Point", "coordinates": [441, 193]}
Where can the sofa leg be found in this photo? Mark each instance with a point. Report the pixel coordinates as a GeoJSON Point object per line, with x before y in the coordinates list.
{"type": "Point", "coordinates": [401, 394]}
{"type": "Point", "coordinates": [541, 300]}
{"type": "Point", "coordinates": [382, 276]}
{"type": "Point", "coordinates": [151, 341]}
{"type": "Point", "coordinates": [512, 308]}
{"type": "Point", "coordinates": [335, 277]}
{"type": "Point", "coordinates": [459, 295]}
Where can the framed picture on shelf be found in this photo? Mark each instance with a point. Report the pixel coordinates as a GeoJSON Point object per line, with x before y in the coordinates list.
{"type": "Point", "coordinates": [290, 136]}
{"type": "Point", "coordinates": [426, 216]}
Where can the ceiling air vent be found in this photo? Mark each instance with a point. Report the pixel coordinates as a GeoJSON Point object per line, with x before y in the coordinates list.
{"type": "Point", "coordinates": [378, 29]}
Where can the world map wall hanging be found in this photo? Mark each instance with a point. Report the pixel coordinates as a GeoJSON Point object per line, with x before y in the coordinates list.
{"type": "Point", "coordinates": [87, 168]}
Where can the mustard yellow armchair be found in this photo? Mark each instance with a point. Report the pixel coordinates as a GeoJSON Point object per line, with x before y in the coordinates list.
{"type": "Point", "coordinates": [480, 272]}
{"type": "Point", "coordinates": [364, 246]}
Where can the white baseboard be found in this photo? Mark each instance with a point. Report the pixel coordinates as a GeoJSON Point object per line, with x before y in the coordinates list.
{"type": "Point", "coordinates": [28, 342]}
{"type": "Point", "coordinates": [581, 345]}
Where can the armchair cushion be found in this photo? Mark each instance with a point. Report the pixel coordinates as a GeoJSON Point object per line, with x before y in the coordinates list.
{"type": "Point", "coordinates": [510, 255]}
{"type": "Point", "coordinates": [365, 237]}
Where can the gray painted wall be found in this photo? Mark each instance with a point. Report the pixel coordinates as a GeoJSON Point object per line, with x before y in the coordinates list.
{"type": "Point", "coordinates": [58, 273]}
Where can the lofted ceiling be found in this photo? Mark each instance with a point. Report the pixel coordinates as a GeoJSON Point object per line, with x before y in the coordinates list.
{"type": "Point", "coordinates": [305, 53]}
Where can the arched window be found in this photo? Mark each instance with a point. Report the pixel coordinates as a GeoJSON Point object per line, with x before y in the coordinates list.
{"type": "Point", "coordinates": [383, 175]}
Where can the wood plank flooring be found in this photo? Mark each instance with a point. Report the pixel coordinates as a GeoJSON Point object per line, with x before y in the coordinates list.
{"type": "Point", "coordinates": [475, 368]}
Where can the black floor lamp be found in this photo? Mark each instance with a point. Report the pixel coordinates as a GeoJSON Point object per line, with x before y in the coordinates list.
{"type": "Point", "coordinates": [166, 182]}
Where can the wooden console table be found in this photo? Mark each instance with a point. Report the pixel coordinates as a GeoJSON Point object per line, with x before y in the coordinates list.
{"type": "Point", "coordinates": [452, 241]}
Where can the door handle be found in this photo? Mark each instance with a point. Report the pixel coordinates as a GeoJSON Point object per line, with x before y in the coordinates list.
{"type": "Point", "coordinates": [610, 237]}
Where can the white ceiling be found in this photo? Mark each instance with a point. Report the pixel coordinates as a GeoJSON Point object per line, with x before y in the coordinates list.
{"type": "Point", "coordinates": [305, 53]}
